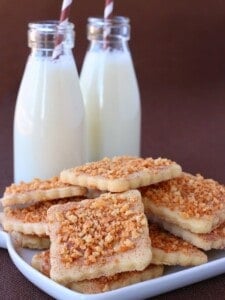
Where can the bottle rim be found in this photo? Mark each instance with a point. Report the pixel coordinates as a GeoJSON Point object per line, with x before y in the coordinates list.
{"type": "Point", "coordinates": [50, 25]}
{"type": "Point", "coordinates": [115, 20]}
{"type": "Point", "coordinates": [43, 34]}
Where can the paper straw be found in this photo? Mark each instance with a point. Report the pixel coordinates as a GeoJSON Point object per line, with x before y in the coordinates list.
{"type": "Point", "coordinates": [64, 17]}
{"type": "Point", "coordinates": [108, 11]}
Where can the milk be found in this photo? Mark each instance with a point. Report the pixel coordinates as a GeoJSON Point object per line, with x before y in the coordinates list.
{"type": "Point", "coordinates": [49, 119]}
{"type": "Point", "coordinates": [112, 104]}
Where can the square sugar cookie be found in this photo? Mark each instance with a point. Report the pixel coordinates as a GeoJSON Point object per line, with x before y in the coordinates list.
{"type": "Point", "coordinates": [98, 237]}
{"type": "Point", "coordinates": [206, 241]}
{"type": "Point", "coordinates": [30, 220]}
{"type": "Point", "coordinates": [121, 173]}
{"type": "Point", "coordinates": [167, 249]}
{"type": "Point", "coordinates": [30, 241]}
{"type": "Point", "coordinates": [190, 202]}
{"type": "Point", "coordinates": [39, 190]}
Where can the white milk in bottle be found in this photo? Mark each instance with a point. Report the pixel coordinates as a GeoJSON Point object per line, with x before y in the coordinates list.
{"type": "Point", "coordinates": [49, 114]}
{"type": "Point", "coordinates": [110, 91]}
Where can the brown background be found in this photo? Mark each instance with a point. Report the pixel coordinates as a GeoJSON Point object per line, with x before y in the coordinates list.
{"type": "Point", "coordinates": [178, 49]}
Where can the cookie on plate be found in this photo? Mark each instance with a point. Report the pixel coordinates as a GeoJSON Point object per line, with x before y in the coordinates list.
{"type": "Point", "coordinates": [207, 241]}
{"type": "Point", "coordinates": [168, 249]}
{"type": "Point", "coordinates": [121, 173]}
{"type": "Point", "coordinates": [98, 237]}
{"type": "Point", "coordinates": [39, 190]}
{"type": "Point", "coordinates": [190, 202]}
{"type": "Point", "coordinates": [30, 220]}
{"type": "Point", "coordinates": [30, 241]}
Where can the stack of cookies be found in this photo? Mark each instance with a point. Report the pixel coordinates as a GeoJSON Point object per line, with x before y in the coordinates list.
{"type": "Point", "coordinates": [25, 208]}
{"type": "Point", "coordinates": [190, 207]}
{"type": "Point", "coordinates": [99, 237]}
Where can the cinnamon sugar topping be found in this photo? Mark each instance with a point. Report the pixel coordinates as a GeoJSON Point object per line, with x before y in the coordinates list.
{"type": "Point", "coordinates": [35, 184]}
{"type": "Point", "coordinates": [122, 166]}
{"type": "Point", "coordinates": [167, 242]}
{"type": "Point", "coordinates": [35, 213]}
{"type": "Point", "coordinates": [93, 230]}
{"type": "Point", "coordinates": [193, 196]}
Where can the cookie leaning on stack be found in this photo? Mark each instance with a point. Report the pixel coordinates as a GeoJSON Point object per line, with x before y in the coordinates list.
{"type": "Point", "coordinates": [98, 237]}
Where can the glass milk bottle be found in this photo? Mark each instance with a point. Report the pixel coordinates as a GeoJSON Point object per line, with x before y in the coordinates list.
{"type": "Point", "coordinates": [49, 114]}
{"type": "Point", "coordinates": [110, 91]}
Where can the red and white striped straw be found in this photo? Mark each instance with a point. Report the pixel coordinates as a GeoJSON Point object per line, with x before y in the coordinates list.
{"type": "Point", "coordinates": [108, 11]}
{"type": "Point", "coordinates": [64, 17]}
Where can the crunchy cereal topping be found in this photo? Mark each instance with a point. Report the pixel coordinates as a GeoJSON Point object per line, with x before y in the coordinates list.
{"type": "Point", "coordinates": [167, 242]}
{"type": "Point", "coordinates": [122, 166]}
{"type": "Point", "coordinates": [35, 184]}
{"type": "Point", "coordinates": [98, 229]}
{"type": "Point", "coordinates": [34, 213]}
{"type": "Point", "coordinates": [193, 196]}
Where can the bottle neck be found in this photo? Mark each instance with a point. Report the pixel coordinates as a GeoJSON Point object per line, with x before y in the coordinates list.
{"type": "Point", "coordinates": [48, 53]}
{"type": "Point", "coordinates": [108, 45]}
{"type": "Point", "coordinates": [108, 34]}
{"type": "Point", "coordinates": [43, 36]}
